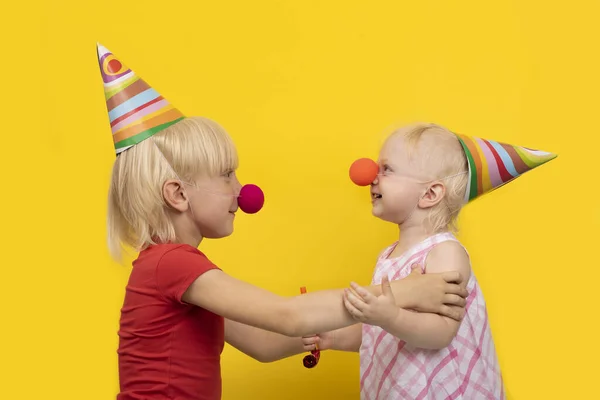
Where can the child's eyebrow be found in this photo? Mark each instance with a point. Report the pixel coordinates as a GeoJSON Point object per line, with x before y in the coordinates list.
{"type": "Point", "coordinates": [386, 162]}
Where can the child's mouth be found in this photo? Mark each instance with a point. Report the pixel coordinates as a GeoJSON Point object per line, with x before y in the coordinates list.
{"type": "Point", "coordinates": [376, 196]}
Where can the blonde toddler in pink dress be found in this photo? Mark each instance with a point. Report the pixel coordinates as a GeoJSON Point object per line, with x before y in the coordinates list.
{"type": "Point", "coordinates": [425, 175]}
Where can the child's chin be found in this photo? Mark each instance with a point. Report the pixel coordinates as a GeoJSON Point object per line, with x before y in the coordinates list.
{"type": "Point", "coordinates": [220, 234]}
{"type": "Point", "coordinates": [376, 211]}
{"type": "Point", "coordinates": [228, 232]}
{"type": "Point", "coordinates": [379, 214]}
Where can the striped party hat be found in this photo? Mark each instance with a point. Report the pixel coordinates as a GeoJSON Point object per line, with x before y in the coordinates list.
{"type": "Point", "coordinates": [493, 164]}
{"type": "Point", "coordinates": [136, 111]}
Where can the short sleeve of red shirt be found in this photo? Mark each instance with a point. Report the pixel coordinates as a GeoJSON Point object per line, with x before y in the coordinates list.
{"type": "Point", "coordinates": [178, 269]}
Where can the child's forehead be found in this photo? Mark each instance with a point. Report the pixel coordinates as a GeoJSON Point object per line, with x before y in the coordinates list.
{"type": "Point", "coordinates": [394, 150]}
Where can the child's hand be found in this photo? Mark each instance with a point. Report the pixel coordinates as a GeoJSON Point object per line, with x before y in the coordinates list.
{"type": "Point", "coordinates": [437, 293]}
{"type": "Point", "coordinates": [370, 309]}
{"type": "Point", "coordinates": [322, 341]}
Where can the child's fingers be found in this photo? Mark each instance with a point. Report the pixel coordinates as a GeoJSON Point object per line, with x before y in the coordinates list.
{"type": "Point", "coordinates": [453, 288]}
{"type": "Point", "coordinates": [355, 301]}
{"type": "Point", "coordinates": [386, 288]}
{"type": "Point", "coordinates": [455, 313]}
{"type": "Point", "coordinates": [454, 300]}
{"type": "Point", "coordinates": [351, 290]}
{"type": "Point", "coordinates": [453, 277]}
{"type": "Point", "coordinates": [310, 347]}
{"type": "Point", "coordinates": [310, 343]}
{"type": "Point", "coordinates": [416, 269]}
{"type": "Point", "coordinates": [362, 292]}
{"type": "Point", "coordinates": [310, 340]}
{"type": "Point", "coordinates": [356, 314]}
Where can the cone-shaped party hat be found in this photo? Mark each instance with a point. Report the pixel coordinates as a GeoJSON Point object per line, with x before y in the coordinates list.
{"type": "Point", "coordinates": [135, 110]}
{"type": "Point", "coordinates": [493, 164]}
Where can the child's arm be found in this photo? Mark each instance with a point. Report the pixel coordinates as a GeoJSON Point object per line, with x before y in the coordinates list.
{"type": "Point", "coordinates": [350, 338]}
{"type": "Point", "coordinates": [439, 293]}
{"type": "Point", "coordinates": [297, 316]}
{"type": "Point", "coordinates": [242, 302]}
{"type": "Point", "coordinates": [266, 347]}
{"type": "Point", "coordinates": [429, 331]}
{"type": "Point", "coordinates": [263, 346]}
{"type": "Point", "coordinates": [344, 339]}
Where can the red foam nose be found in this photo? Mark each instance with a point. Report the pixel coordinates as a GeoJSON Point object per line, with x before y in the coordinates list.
{"type": "Point", "coordinates": [251, 199]}
{"type": "Point", "coordinates": [363, 171]}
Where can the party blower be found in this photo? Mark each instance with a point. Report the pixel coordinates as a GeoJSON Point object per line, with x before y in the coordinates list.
{"type": "Point", "coordinates": [311, 360]}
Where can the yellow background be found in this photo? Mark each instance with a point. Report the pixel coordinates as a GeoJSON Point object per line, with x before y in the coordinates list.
{"type": "Point", "coordinates": [307, 87]}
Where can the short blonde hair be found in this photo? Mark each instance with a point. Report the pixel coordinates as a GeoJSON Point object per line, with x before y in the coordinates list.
{"type": "Point", "coordinates": [437, 154]}
{"type": "Point", "coordinates": [137, 215]}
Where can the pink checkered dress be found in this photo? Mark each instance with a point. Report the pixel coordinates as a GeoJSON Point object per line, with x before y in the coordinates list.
{"type": "Point", "coordinates": [467, 369]}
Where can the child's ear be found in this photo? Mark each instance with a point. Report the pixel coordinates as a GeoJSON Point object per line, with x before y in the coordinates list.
{"type": "Point", "coordinates": [175, 195]}
{"type": "Point", "coordinates": [435, 193]}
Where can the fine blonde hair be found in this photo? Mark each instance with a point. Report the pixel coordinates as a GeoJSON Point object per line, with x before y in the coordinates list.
{"type": "Point", "coordinates": [437, 154]}
{"type": "Point", "coordinates": [137, 211]}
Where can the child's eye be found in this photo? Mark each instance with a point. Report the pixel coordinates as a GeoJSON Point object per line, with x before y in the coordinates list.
{"type": "Point", "coordinates": [386, 169]}
{"type": "Point", "coordinates": [228, 174]}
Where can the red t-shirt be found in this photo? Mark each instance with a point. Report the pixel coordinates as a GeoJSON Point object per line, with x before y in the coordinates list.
{"type": "Point", "coordinates": [168, 349]}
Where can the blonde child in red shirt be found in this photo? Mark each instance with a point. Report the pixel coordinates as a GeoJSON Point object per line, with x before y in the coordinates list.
{"type": "Point", "coordinates": [173, 183]}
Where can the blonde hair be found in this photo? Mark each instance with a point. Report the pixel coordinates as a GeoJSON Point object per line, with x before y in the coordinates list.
{"type": "Point", "coordinates": [438, 155]}
{"type": "Point", "coordinates": [137, 211]}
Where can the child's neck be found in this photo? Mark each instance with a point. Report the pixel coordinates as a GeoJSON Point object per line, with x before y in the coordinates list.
{"type": "Point", "coordinates": [409, 236]}
{"type": "Point", "coordinates": [185, 230]}
{"type": "Point", "coordinates": [190, 239]}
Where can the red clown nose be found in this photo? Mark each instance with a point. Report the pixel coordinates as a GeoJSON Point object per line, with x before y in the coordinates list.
{"type": "Point", "coordinates": [363, 171]}
{"type": "Point", "coordinates": [251, 199]}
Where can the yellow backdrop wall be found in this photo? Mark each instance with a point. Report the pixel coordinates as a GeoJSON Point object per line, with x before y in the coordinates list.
{"type": "Point", "coordinates": [305, 88]}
